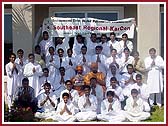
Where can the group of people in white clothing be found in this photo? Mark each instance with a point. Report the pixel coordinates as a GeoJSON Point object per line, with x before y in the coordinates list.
{"type": "Point", "coordinates": [91, 81]}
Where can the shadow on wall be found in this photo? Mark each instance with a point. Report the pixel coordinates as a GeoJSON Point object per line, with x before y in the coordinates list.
{"type": "Point", "coordinates": [22, 24]}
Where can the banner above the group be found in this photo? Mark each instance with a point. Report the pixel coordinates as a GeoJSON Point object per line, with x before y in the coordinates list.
{"type": "Point", "coordinates": [61, 27]}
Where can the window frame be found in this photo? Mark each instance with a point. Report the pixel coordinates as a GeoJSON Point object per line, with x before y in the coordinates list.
{"type": "Point", "coordinates": [91, 9]}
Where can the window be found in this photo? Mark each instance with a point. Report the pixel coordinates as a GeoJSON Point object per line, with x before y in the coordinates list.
{"type": "Point", "coordinates": [70, 15]}
{"type": "Point", "coordinates": [8, 28]}
{"type": "Point", "coordinates": [8, 39]}
{"type": "Point", "coordinates": [112, 16]}
{"type": "Point", "coordinates": [110, 12]}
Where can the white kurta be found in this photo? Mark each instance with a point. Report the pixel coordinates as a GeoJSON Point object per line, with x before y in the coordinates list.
{"type": "Point", "coordinates": [64, 46]}
{"type": "Point", "coordinates": [109, 76]}
{"type": "Point", "coordinates": [65, 117]}
{"type": "Point", "coordinates": [117, 91]}
{"type": "Point", "coordinates": [45, 45]}
{"type": "Point", "coordinates": [53, 66]}
{"type": "Point", "coordinates": [106, 48]}
{"type": "Point", "coordinates": [101, 66]}
{"type": "Point", "coordinates": [20, 74]}
{"type": "Point", "coordinates": [115, 115]}
{"type": "Point", "coordinates": [86, 65]}
{"type": "Point", "coordinates": [155, 78]}
{"type": "Point", "coordinates": [116, 45]}
{"type": "Point", "coordinates": [49, 110]}
{"type": "Point", "coordinates": [111, 60]}
{"type": "Point", "coordinates": [143, 91]}
{"type": "Point", "coordinates": [70, 70]}
{"type": "Point", "coordinates": [44, 79]}
{"type": "Point", "coordinates": [129, 44]}
{"type": "Point", "coordinates": [91, 47]}
{"type": "Point", "coordinates": [123, 64]}
{"type": "Point", "coordinates": [33, 77]}
{"type": "Point", "coordinates": [74, 94]}
{"type": "Point", "coordinates": [59, 87]}
{"type": "Point", "coordinates": [137, 113]}
{"type": "Point", "coordinates": [11, 82]}
{"type": "Point", "coordinates": [89, 112]}
{"type": "Point", "coordinates": [127, 87]}
{"type": "Point", "coordinates": [99, 96]}
{"type": "Point", "coordinates": [77, 47]}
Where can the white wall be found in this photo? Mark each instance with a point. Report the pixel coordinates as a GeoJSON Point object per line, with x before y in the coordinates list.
{"type": "Point", "coordinates": [148, 28]}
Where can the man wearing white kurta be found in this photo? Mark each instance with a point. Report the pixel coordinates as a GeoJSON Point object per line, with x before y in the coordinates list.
{"type": "Point", "coordinates": [154, 65]}
{"type": "Point", "coordinates": [46, 43]}
{"type": "Point", "coordinates": [88, 105]}
{"type": "Point", "coordinates": [62, 43]}
{"type": "Point", "coordinates": [97, 90]}
{"type": "Point", "coordinates": [78, 43]}
{"type": "Point", "coordinates": [114, 44]}
{"type": "Point", "coordinates": [127, 80]}
{"type": "Point", "coordinates": [106, 50]}
{"type": "Point", "coordinates": [91, 44]}
{"type": "Point", "coordinates": [111, 109]}
{"type": "Point", "coordinates": [100, 59]}
{"type": "Point", "coordinates": [46, 78]}
{"type": "Point", "coordinates": [142, 88]}
{"type": "Point", "coordinates": [112, 72]}
{"type": "Point", "coordinates": [65, 110]}
{"type": "Point", "coordinates": [21, 61]}
{"type": "Point", "coordinates": [33, 71]}
{"type": "Point", "coordinates": [113, 59]}
{"type": "Point", "coordinates": [114, 86]}
{"type": "Point", "coordinates": [134, 109]}
{"type": "Point", "coordinates": [12, 70]}
{"type": "Point", "coordinates": [125, 43]}
{"type": "Point", "coordinates": [60, 80]}
{"type": "Point", "coordinates": [69, 63]}
{"type": "Point", "coordinates": [125, 60]}
{"type": "Point", "coordinates": [47, 101]}
{"type": "Point", "coordinates": [84, 60]}
{"type": "Point", "coordinates": [73, 94]}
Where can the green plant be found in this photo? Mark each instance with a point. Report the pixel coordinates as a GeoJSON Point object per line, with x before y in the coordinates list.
{"type": "Point", "coordinates": [21, 114]}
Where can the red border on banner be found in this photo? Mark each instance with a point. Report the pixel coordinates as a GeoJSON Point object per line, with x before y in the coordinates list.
{"type": "Point", "coordinates": [43, 123]}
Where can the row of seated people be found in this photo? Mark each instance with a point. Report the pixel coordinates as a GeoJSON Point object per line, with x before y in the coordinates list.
{"type": "Point", "coordinates": [85, 106]}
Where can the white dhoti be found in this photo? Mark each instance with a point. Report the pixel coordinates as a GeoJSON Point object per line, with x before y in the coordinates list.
{"type": "Point", "coordinates": [112, 117]}
{"type": "Point", "coordinates": [86, 116]}
{"type": "Point", "coordinates": [45, 115]}
{"type": "Point", "coordinates": [136, 117]}
{"type": "Point", "coordinates": [64, 118]}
